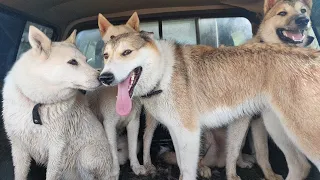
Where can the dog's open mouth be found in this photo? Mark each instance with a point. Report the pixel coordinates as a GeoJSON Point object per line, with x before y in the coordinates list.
{"type": "Point", "coordinates": [134, 77]}
{"type": "Point", "coordinates": [291, 36]}
{"type": "Point", "coordinates": [125, 92]}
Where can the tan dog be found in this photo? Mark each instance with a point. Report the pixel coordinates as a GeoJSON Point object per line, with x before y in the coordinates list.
{"type": "Point", "coordinates": [285, 22]}
{"type": "Point", "coordinates": [103, 101]}
{"type": "Point", "coordinates": [197, 83]}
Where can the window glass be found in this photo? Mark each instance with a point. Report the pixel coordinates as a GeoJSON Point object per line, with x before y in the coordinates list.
{"type": "Point", "coordinates": [315, 18]}
{"type": "Point", "coordinates": [224, 31]}
{"type": "Point", "coordinates": [182, 30]}
{"type": "Point", "coordinates": [10, 33]}
{"type": "Point", "coordinates": [151, 27]}
{"type": "Point", "coordinates": [90, 44]}
{"type": "Point", "coordinates": [212, 31]}
{"type": "Point", "coordinates": [24, 44]}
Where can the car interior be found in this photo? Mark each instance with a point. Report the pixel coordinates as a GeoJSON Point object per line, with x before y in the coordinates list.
{"type": "Point", "coordinates": [207, 22]}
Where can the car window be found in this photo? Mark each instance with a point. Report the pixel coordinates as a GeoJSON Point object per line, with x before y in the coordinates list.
{"type": "Point", "coordinates": [10, 35]}
{"type": "Point", "coordinates": [315, 18]}
{"type": "Point", "coordinates": [231, 31]}
{"type": "Point", "coordinates": [24, 42]}
{"type": "Point", "coordinates": [14, 39]}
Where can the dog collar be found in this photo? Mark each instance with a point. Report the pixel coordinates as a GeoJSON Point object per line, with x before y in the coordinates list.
{"type": "Point", "coordinates": [35, 114]}
{"type": "Point", "coordinates": [153, 92]}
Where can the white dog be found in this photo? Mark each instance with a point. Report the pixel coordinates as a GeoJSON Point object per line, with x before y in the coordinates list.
{"type": "Point", "coordinates": [47, 119]}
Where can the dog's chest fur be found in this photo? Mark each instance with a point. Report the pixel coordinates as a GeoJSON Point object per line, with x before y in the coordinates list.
{"type": "Point", "coordinates": [61, 123]}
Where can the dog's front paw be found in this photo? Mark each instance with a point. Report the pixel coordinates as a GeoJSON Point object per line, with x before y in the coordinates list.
{"type": "Point", "coordinates": [139, 170]}
{"type": "Point", "coordinates": [150, 168]}
{"type": "Point", "coordinates": [249, 158]}
{"type": "Point", "coordinates": [245, 164]}
{"type": "Point", "coordinates": [205, 172]}
{"type": "Point", "coordinates": [234, 177]}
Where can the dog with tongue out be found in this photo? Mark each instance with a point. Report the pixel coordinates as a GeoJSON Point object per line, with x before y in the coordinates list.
{"type": "Point", "coordinates": [114, 105]}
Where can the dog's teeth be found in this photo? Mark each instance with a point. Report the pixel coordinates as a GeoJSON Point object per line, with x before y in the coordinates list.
{"type": "Point", "coordinates": [284, 33]}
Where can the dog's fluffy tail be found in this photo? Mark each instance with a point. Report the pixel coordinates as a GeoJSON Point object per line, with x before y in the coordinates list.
{"type": "Point", "coordinates": [167, 156]}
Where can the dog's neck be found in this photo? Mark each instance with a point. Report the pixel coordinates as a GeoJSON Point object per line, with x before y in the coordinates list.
{"type": "Point", "coordinates": [159, 82]}
{"type": "Point", "coordinates": [52, 109]}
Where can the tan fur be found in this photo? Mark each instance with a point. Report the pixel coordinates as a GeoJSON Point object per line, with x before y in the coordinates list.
{"type": "Point", "coordinates": [107, 29]}
{"type": "Point", "coordinates": [238, 81]}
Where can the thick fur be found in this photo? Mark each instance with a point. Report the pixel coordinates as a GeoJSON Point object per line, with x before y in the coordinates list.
{"type": "Point", "coordinates": [103, 100]}
{"type": "Point", "coordinates": [71, 141]}
{"type": "Point", "coordinates": [205, 86]}
{"type": "Point", "coordinates": [298, 167]}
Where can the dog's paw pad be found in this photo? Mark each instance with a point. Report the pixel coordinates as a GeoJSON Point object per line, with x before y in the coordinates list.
{"type": "Point", "coordinates": [139, 170]}
{"type": "Point", "coordinates": [205, 172]}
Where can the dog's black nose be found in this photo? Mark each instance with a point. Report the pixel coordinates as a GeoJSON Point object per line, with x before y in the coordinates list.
{"type": "Point", "coordinates": [302, 21]}
{"type": "Point", "coordinates": [106, 78]}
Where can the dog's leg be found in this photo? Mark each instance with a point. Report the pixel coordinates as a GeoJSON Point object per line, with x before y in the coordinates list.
{"type": "Point", "coordinates": [21, 162]}
{"type": "Point", "coordinates": [112, 140]}
{"type": "Point", "coordinates": [133, 130]}
{"type": "Point", "coordinates": [297, 163]}
{"type": "Point", "coordinates": [244, 160]}
{"type": "Point", "coordinates": [210, 159]}
{"type": "Point", "coordinates": [237, 131]}
{"type": "Point", "coordinates": [187, 145]}
{"type": "Point", "coordinates": [54, 168]}
{"type": "Point", "coordinates": [260, 142]}
{"type": "Point", "coordinates": [151, 125]}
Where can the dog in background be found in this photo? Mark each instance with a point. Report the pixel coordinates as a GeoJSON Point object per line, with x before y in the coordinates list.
{"type": "Point", "coordinates": [285, 22]}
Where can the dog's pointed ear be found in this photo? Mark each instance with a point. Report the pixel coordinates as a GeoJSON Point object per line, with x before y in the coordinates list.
{"type": "Point", "coordinates": [308, 3]}
{"type": "Point", "coordinates": [147, 36]}
{"type": "Point", "coordinates": [134, 21]}
{"type": "Point", "coordinates": [72, 37]}
{"type": "Point", "coordinates": [103, 24]}
{"type": "Point", "coordinates": [38, 40]}
{"type": "Point", "coordinates": [268, 4]}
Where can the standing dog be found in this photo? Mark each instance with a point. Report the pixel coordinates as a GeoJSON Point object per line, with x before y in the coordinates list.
{"type": "Point", "coordinates": [103, 103]}
{"type": "Point", "coordinates": [285, 22]}
{"type": "Point", "coordinates": [205, 86]}
{"type": "Point", "coordinates": [45, 116]}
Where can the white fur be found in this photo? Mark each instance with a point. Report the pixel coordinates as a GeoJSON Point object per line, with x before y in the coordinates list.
{"type": "Point", "coordinates": [71, 141]}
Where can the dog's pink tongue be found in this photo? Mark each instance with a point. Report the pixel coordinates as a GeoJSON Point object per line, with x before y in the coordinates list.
{"type": "Point", "coordinates": [124, 103]}
{"type": "Point", "coordinates": [297, 36]}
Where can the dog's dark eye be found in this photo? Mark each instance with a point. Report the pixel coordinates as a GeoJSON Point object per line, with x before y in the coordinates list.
{"type": "Point", "coordinates": [282, 13]}
{"type": "Point", "coordinates": [111, 37]}
{"type": "Point", "coordinates": [73, 62]}
{"type": "Point", "coordinates": [105, 55]}
{"type": "Point", "coordinates": [126, 52]}
{"type": "Point", "coordinates": [303, 11]}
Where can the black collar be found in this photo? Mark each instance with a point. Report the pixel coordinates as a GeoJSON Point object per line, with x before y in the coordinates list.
{"type": "Point", "coordinates": [153, 92]}
{"type": "Point", "coordinates": [35, 111]}
{"type": "Point", "coordinates": [35, 114]}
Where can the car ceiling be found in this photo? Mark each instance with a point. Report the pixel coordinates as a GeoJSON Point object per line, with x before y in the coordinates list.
{"type": "Point", "coordinates": [62, 12]}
